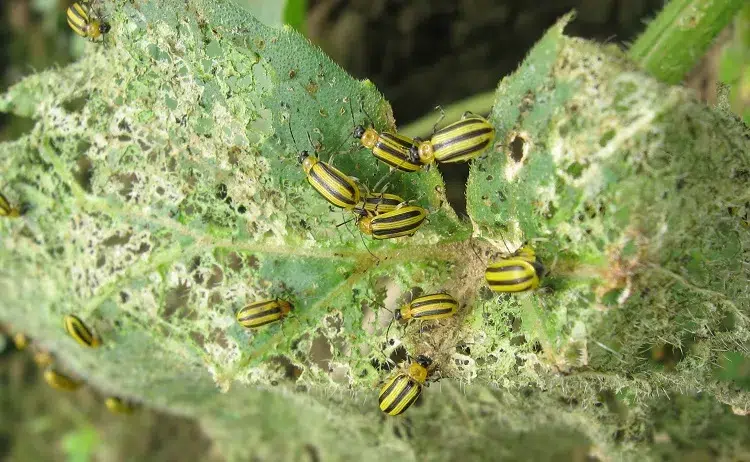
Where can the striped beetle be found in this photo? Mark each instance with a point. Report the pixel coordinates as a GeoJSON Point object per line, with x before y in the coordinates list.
{"type": "Point", "coordinates": [119, 406]}
{"type": "Point", "coordinates": [60, 381]}
{"type": "Point", "coordinates": [519, 272]}
{"type": "Point", "coordinates": [391, 148]}
{"type": "Point", "coordinates": [81, 21]}
{"type": "Point", "coordinates": [403, 389]}
{"type": "Point", "coordinates": [260, 313]}
{"type": "Point", "coordinates": [403, 221]}
{"type": "Point", "coordinates": [426, 307]}
{"type": "Point", "coordinates": [336, 187]}
{"type": "Point", "coordinates": [460, 141]}
{"type": "Point", "coordinates": [377, 203]}
{"type": "Point", "coordinates": [7, 210]}
{"type": "Point", "coordinates": [80, 333]}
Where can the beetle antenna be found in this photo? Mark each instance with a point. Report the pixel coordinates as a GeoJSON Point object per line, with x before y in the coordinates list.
{"type": "Point", "coordinates": [362, 108]}
{"type": "Point", "coordinates": [345, 222]}
{"type": "Point", "coordinates": [294, 140]}
{"type": "Point", "coordinates": [336, 150]}
{"type": "Point", "coordinates": [292, 135]}
{"type": "Point", "coordinates": [440, 119]}
{"type": "Point", "coordinates": [505, 242]}
{"type": "Point", "coordinates": [309, 138]}
{"type": "Point", "coordinates": [388, 330]}
{"type": "Point", "coordinates": [367, 248]}
{"type": "Point", "coordinates": [362, 238]}
{"type": "Point", "coordinates": [351, 112]}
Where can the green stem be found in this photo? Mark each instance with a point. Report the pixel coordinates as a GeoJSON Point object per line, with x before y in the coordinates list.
{"type": "Point", "coordinates": [480, 104]}
{"type": "Point", "coordinates": [680, 35]}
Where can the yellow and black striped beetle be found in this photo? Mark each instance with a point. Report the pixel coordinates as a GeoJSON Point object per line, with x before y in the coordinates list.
{"type": "Point", "coordinates": [80, 333]}
{"type": "Point", "coordinates": [378, 203]}
{"type": "Point", "coordinates": [391, 148]}
{"type": "Point", "coordinates": [84, 23]}
{"type": "Point", "coordinates": [403, 389]}
{"type": "Point", "coordinates": [7, 210]}
{"type": "Point", "coordinates": [60, 381]}
{"type": "Point", "coordinates": [20, 341]}
{"type": "Point", "coordinates": [426, 307]}
{"type": "Point", "coordinates": [458, 142]}
{"type": "Point", "coordinates": [260, 313]}
{"type": "Point", "coordinates": [517, 273]}
{"type": "Point", "coordinates": [119, 406]}
{"type": "Point", "coordinates": [403, 221]}
{"type": "Point", "coordinates": [527, 252]}
{"type": "Point", "coordinates": [335, 186]}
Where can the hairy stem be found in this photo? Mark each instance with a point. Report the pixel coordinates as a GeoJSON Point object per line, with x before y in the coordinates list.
{"type": "Point", "coordinates": [679, 36]}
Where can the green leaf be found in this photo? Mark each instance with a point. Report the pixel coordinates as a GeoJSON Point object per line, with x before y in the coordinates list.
{"type": "Point", "coordinates": [169, 195]}
{"type": "Point", "coordinates": [162, 193]}
{"type": "Point", "coordinates": [80, 445]}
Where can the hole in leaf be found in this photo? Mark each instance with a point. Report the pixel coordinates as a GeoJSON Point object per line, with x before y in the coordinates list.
{"type": "Point", "coordinates": [234, 262]}
{"type": "Point", "coordinates": [339, 374]}
{"type": "Point", "coordinates": [456, 175]}
{"type": "Point", "coordinates": [84, 173]}
{"type": "Point", "coordinates": [14, 127]}
{"type": "Point", "coordinates": [176, 298]}
{"type": "Point", "coordinates": [126, 181]}
{"type": "Point", "coordinates": [221, 191]}
{"type": "Point", "coordinates": [216, 277]}
{"type": "Point", "coordinates": [290, 370]}
{"type": "Point", "coordinates": [517, 151]}
{"type": "Point", "coordinates": [321, 352]}
{"type": "Point", "coordinates": [117, 239]}
{"type": "Point", "coordinates": [399, 355]}
{"type": "Point", "coordinates": [411, 294]}
{"type": "Point", "coordinates": [198, 339]}
{"type": "Point", "coordinates": [551, 211]}
{"type": "Point", "coordinates": [312, 453]}
{"type": "Point", "coordinates": [727, 323]}
{"type": "Point", "coordinates": [666, 354]}
{"type": "Point", "coordinates": [75, 104]}
{"type": "Point", "coordinates": [575, 170]}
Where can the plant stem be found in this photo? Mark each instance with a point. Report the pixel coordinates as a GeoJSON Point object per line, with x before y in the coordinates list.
{"type": "Point", "coordinates": [679, 36]}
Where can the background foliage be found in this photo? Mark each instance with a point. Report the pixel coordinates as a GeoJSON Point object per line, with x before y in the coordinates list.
{"type": "Point", "coordinates": [161, 180]}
